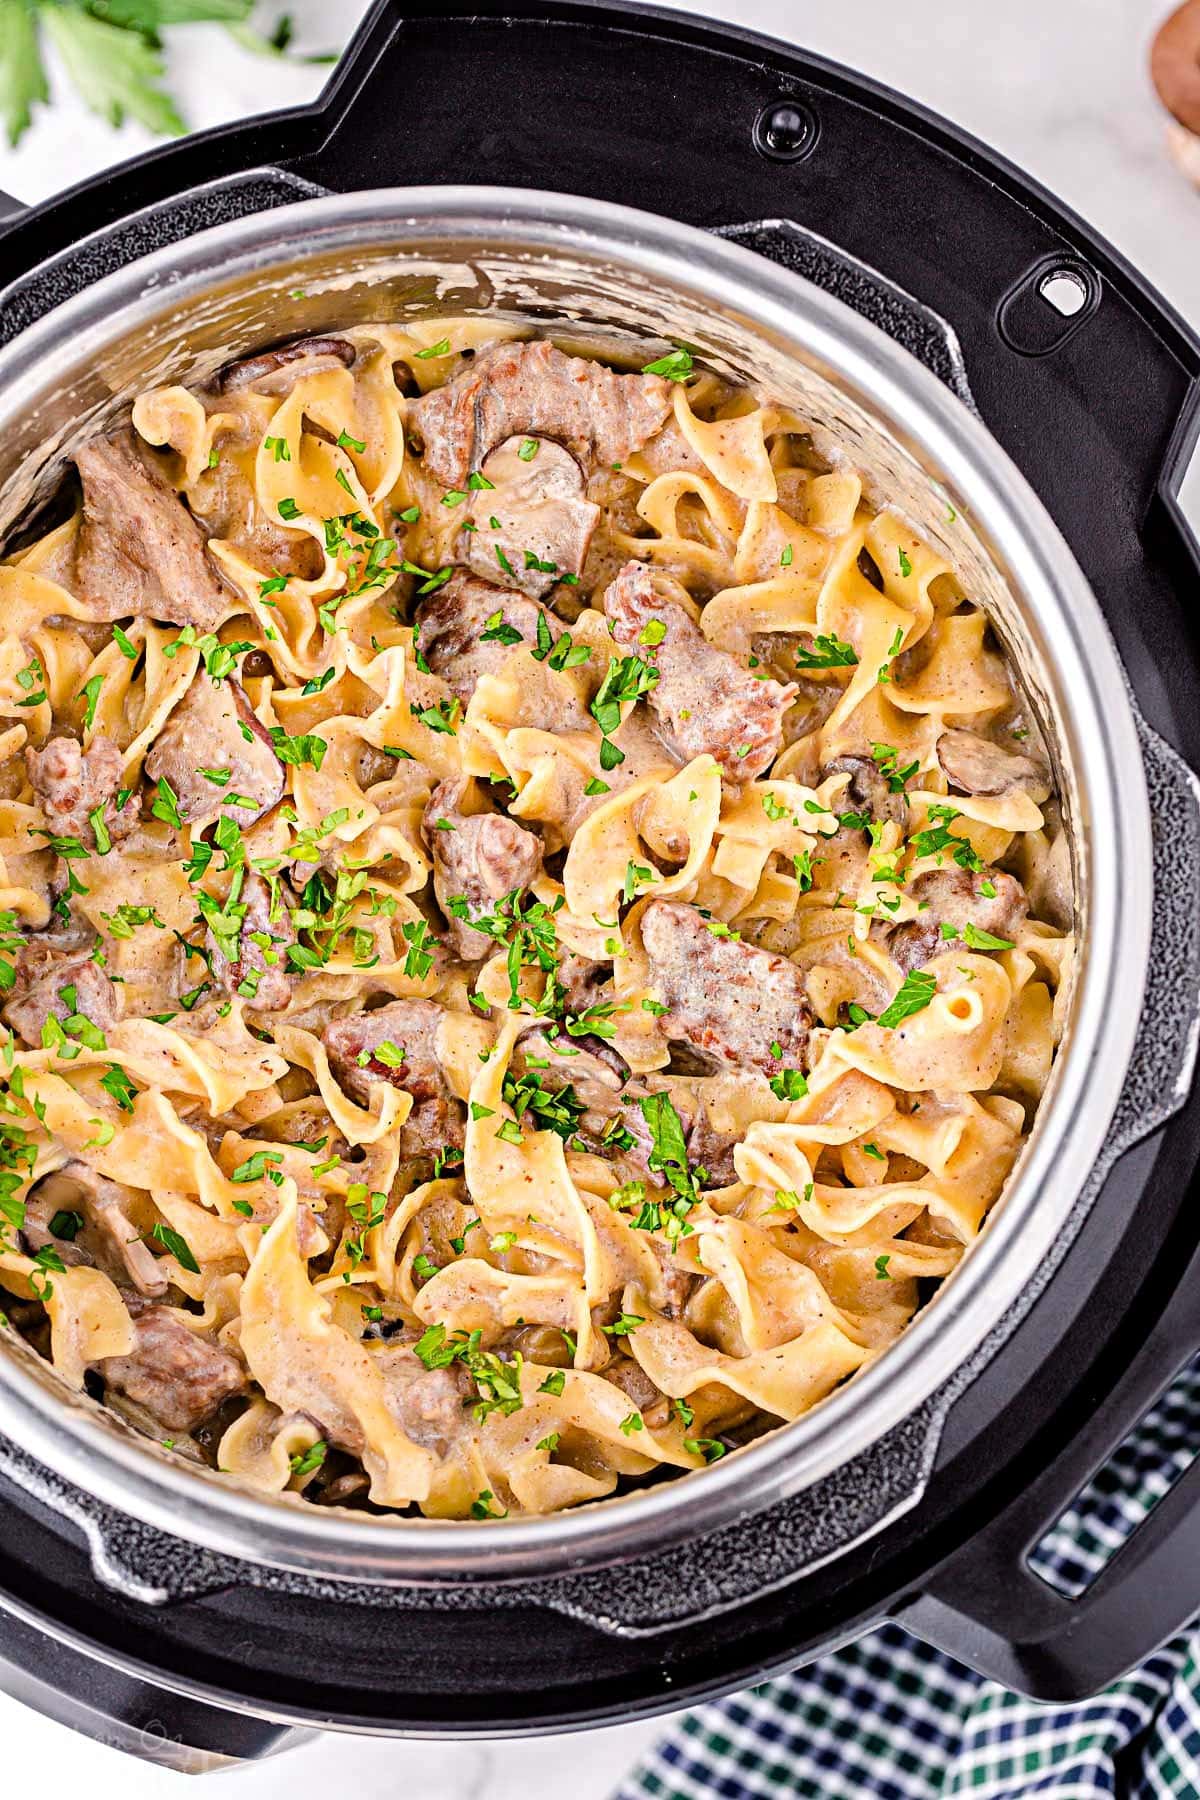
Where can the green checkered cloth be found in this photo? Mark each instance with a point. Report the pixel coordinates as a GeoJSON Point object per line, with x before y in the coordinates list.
{"type": "Point", "coordinates": [888, 1718]}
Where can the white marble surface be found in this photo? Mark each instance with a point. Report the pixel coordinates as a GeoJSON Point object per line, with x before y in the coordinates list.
{"type": "Point", "coordinates": [1060, 87]}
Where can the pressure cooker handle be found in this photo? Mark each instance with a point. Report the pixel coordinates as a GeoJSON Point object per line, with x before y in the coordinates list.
{"type": "Point", "coordinates": [176, 1731]}
{"type": "Point", "coordinates": [986, 1605]}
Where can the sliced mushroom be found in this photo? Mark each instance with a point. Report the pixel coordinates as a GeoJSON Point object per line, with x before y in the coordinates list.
{"type": "Point", "coordinates": [532, 525]}
{"type": "Point", "coordinates": [975, 765]}
{"type": "Point", "coordinates": [278, 371]}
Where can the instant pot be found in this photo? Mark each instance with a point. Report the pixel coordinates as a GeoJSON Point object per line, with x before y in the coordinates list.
{"type": "Point", "coordinates": [1005, 376]}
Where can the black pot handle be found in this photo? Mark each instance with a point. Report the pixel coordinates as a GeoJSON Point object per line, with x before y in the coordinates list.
{"type": "Point", "coordinates": [986, 1606]}
{"type": "Point", "coordinates": [176, 1731]}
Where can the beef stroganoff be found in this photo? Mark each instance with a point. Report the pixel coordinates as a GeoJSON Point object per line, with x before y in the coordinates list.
{"type": "Point", "coordinates": [535, 921]}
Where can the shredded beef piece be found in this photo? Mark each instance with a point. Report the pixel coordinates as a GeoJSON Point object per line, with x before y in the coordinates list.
{"type": "Point", "coordinates": [437, 1118]}
{"type": "Point", "coordinates": [205, 732]}
{"type": "Point", "coordinates": [452, 621]}
{"type": "Point", "coordinates": [278, 371]}
{"type": "Point", "coordinates": [704, 699]}
{"type": "Point", "coordinates": [139, 551]}
{"type": "Point", "coordinates": [975, 765]}
{"type": "Point", "coordinates": [544, 522]}
{"type": "Point", "coordinates": [43, 969]}
{"type": "Point", "coordinates": [107, 1239]}
{"type": "Point", "coordinates": [533, 390]}
{"type": "Point", "coordinates": [955, 897]}
{"type": "Point", "coordinates": [70, 783]}
{"type": "Point", "coordinates": [176, 1374]}
{"type": "Point", "coordinates": [481, 859]}
{"type": "Point", "coordinates": [726, 1000]}
{"type": "Point", "coordinates": [272, 989]}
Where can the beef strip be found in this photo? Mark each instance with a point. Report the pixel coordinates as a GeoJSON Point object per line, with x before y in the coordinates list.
{"type": "Point", "coordinates": [107, 1239]}
{"type": "Point", "coordinates": [481, 859]}
{"type": "Point", "coordinates": [451, 624]}
{"type": "Point", "coordinates": [43, 969]}
{"type": "Point", "coordinates": [260, 973]}
{"type": "Point", "coordinates": [437, 1118]}
{"type": "Point", "coordinates": [975, 765]}
{"type": "Point", "coordinates": [139, 551]}
{"type": "Point", "coordinates": [534, 516]}
{"type": "Point", "coordinates": [70, 783]}
{"type": "Point", "coordinates": [177, 1375]}
{"type": "Point", "coordinates": [278, 371]}
{"type": "Point", "coordinates": [726, 1001]}
{"type": "Point", "coordinates": [225, 501]}
{"type": "Point", "coordinates": [429, 1405]}
{"type": "Point", "coordinates": [704, 699]}
{"type": "Point", "coordinates": [205, 731]}
{"type": "Point", "coordinates": [533, 390]}
{"type": "Point", "coordinates": [955, 897]}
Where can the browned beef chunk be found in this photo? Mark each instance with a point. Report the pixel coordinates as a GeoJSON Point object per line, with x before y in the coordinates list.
{"type": "Point", "coordinates": [534, 516]}
{"type": "Point", "coordinates": [583, 981]}
{"type": "Point", "coordinates": [93, 1226]}
{"type": "Point", "coordinates": [866, 794]}
{"type": "Point", "coordinates": [139, 550]}
{"type": "Point", "coordinates": [205, 731]}
{"type": "Point", "coordinates": [591, 1075]}
{"type": "Point", "coordinates": [478, 858]}
{"type": "Point", "coordinates": [410, 1027]}
{"type": "Point", "coordinates": [711, 1150]}
{"type": "Point", "coordinates": [956, 898]}
{"type": "Point", "coordinates": [177, 1375]}
{"type": "Point", "coordinates": [704, 700]}
{"type": "Point", "coordinates": [633, 1382]}
{"type": "Point", "coordinates": [533, 390]}
{"type": "Point", "coordinates": [260, 974]}
{"type": "Point", "coordinates": [225, 501]}
{"type": "Point", "coordinates": [726, 1001]}
{"type": "Point", "coordinates": [70, 783]}
{"type": "Point", "coordinates": [278, 371]}
{"type": "Point", "coordinates": [975, 765]}
{"type": "Point", "coordinates": [429, 1405]}
{"type": "Point", "coordinates": [53, 980]}
{"type": "Point", "coordinates": [466, 628]}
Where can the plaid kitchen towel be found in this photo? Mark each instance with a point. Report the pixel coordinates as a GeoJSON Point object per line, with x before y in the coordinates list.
{"type": "Point", "coordinates": [888, 1718]}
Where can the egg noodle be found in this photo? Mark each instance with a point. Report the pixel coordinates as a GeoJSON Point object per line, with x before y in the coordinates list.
{"type": "Point", "coordinates": [546, 956]}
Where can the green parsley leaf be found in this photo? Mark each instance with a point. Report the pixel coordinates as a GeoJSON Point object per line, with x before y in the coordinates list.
{"type": "Point", "coordinates": [913, 996]}
{"type": "Point", "coordinates": [677, 365]}
{"type": "Point", "coordinates": [828, 652]}
{"type": "Point", "coordinates": [177, 1245]}
{"type": "Point", "coordinates": [976, 939]}
{"type": "Point", "coordinates": [307, 1462]}
{"type": "Point", "coordinates": [91, 693]}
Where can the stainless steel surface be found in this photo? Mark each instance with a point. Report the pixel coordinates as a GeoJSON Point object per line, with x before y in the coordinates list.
{"type": "Point", "coordinates": [589, 269]}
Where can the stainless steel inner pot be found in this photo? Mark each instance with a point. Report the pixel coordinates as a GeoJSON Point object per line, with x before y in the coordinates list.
{"type": "Point", "coordinates": [611, 275]}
